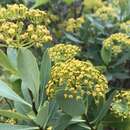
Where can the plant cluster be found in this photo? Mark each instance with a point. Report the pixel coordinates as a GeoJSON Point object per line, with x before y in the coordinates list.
{"type": "Point", "coordinates": [21, 27]}
{"type": "Point", "coordinates": [65, 65]}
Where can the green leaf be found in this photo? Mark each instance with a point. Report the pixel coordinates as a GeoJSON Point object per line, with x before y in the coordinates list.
{"type": "Point", "coordinates": [68, 1]}
{"type": "Point", "coordinates": [14, 115]}
{"type": "Point", "coordinates": [117, 123]}
{"type": "Point", "coordinates": [100, 126]}
{"type": "Point", "coordinates": [121, 76]}
{"type": "Point", "coordinates": [63, 122]}
{"type": "Point", "coordinates": [83, 126]}
{"type": "Point", "coordinates": [29, 73]}
{"type": "Point", "coordinates": [7, 92]}
{"type": "Point", "coordinates": [126, 127]}
{"type": "Point", "coordinates": [104, 109]}
{"type": "Point", "coordinates": [72, 38]}
{"type": "Point", "coordinates": [106, 55]}
{"type": "Point", "coordinates": [53, 108]}
{"type": "Point", "coordinates": [45, 69]}
{"type": "Point", "coordinates": [42, 114]}
{"type": "Point", "coordinates": [94, 22]}
{"type": "Point", "coordinates": [79, 126]}
{"type": "Point", "coordinates": [40, 2]}
{"type": "Point", "coordinates": [21, 108]}
{"type": "Point", "coordinates": [76, 120]}
{"type": "Point", "coordinates": [16, 127]}
{"type": "Point", "coordinates": [5, 62]}
{"type": "Point", "coordinates": [72, 107]}
{"type": "Point", "coordinates": [123, 58]}
{"type": "Point", "coordinates": [12, 55]}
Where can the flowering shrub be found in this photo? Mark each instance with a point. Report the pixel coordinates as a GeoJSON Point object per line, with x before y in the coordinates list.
{"type": "Point", "coordinates": [14, 35]}
{"type": "Point", "coordinates": [14, 31]}
{"type": "Point", "coordinates": [21, 12]}
{"type": "Point", "coordinates": [117, 44]}
{"type": "Point", "coordinates": [65, 65]}
{"type": "Point", "coordinates": [78, 79]}
{"type": "Point", "coordinates": [13, 12]}
{"type": "Point", "coordinates": [120, 106]}
{"type": "Point", "coordinates": [106, 13]}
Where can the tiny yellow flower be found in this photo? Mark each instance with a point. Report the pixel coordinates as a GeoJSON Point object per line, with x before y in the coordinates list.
{"type": "Point", "coordinates": [30, 28]}
{"type": "Point", "coordinates": [11, 31]}
{"type": "Point", "coordinates": [70, 96]}
{"type": "Point", "coordinates": [65, 95]}
{"type": "Point", "coordinates": [50, 128]}
{"type": "Point", "coordinates": [78, 97]}
{"type": "Point", "coordinates": [1, 37]}
{"type": "Point", "coordinates": [34, 37]}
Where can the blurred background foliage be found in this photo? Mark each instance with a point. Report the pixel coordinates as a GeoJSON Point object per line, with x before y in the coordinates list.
{"type": "Point", "coordinates": [90, 28]}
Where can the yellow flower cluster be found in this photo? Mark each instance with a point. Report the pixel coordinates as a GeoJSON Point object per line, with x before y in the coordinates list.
{"type": "Point", "coordinates": [119, 3]}
{"type": "Point", "coordinates": [13, 12]}
{"type": "Point", "coordinates": [21, 12]}
{"type": "Point", "coordinates": [15, 35]}
{"type": "Point", "coordinates": [20, 26]}
{"type": "Point", "coordinates": [2, 13]}
{"type": "Point", "coordinates": [72, 25]}
{"type": "Point", "coordinates": [37, 16]}
{"type": "Point", "coordinates": [77, 79]}
{"type": "Point", "coordinates": [93, 4]}
{"type": "Point", "coordinates": [125, 26]}
{"type": "Point", "coordinates": [118, 43]}
{"type": "Point", "coordinates": [10, 121]}
{"type": "Point", "coordinates": [106, 13]}
{"type": "Point", "coordinates": [120, 106]}
{"type": "Point", "coordinates": [8, 32]}
{"type": "Point", "coordinates": [38, 35]}
{"type": "Point", "coordinates": [63, 52]}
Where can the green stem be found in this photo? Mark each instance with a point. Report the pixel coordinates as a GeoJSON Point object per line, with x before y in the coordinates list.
{"type": "Point", "coordinates": [33, 103]}
{"type": "Point", "coordinates": [10, 106]}
{"type": "Point", "coordinates": [88, 123]}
